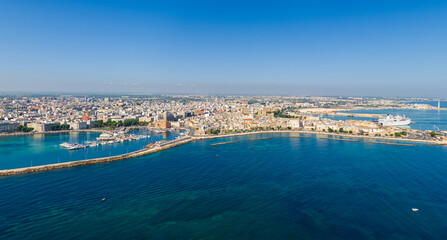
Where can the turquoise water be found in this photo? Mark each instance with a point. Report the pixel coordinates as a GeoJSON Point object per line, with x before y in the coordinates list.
{"type": "Point", "coordinates": [279, 188]}
{"type": "Point", "coordinates": [41, 149]}
{"type": "Point", "coordinates": [423, 119]}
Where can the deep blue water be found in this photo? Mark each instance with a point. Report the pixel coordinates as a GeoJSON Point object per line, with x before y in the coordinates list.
{"type": "Point", "coordinates": [41, 149]}
{"type": "Point", "coordinates": [423, 119]}
{"type": "Point", "coordinates": [279, 188]}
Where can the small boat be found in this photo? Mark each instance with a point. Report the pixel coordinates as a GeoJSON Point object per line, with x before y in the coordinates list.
{"type": "Point", "coordinates": [415, 209]}
{"type": "Point", "coordinates": [102, 200]}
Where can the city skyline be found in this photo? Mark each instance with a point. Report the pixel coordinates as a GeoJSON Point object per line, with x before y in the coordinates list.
{"type": "Point", "coordinates": [308, 48]}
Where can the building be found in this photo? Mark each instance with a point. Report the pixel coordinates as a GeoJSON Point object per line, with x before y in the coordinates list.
{"type": "Point", "coordinates": [8, 126]}
{"type": "Point", "coordinates": [164, 124]}
{"type": "Point", "coordinates": [40, 127]}
{"type": "Point", "coordinates": [78, 125]}
{"type": "Point", "coordinates": [295, 123]}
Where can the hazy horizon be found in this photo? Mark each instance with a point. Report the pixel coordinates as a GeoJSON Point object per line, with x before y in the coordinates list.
{"type": "Point", "coordinates": [319, 48]}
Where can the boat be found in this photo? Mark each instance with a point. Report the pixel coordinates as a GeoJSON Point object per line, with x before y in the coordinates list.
{"type": "Point", "coordinates": [74, 146]}
{"type": "Point", "coordinates": [105, 137]}
{"type": "Point", "coordinates": [397, 120]}
{"type": "Point", "coordinates": [65, 144]}
{"type": "Point", "coordinates": [415, 209]}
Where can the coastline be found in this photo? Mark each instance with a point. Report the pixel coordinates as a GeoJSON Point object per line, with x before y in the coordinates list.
{"type": "Point", "coordinates": [322, 133]}
{"type": "Point", "coordinates": [174, 143]}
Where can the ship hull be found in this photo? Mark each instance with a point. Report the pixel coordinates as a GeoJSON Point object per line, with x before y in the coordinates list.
{"type": "Point", "coordinates": [396, 123]}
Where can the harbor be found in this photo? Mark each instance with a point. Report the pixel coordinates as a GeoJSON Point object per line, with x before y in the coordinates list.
{"type": "Point", "coordinates": [104, 138]}
{"type": "Point", "coordinates": [42, 149]}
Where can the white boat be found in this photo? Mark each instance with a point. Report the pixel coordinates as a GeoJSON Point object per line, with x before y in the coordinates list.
{"type": "Point", "coordinates": [397, 120]}
{"type": "Point", "coordinates": [65, 144]}
{"type": "Point", "coordinates": [73, 146]}
{"type": "Point", "coordinates": [105, 137]}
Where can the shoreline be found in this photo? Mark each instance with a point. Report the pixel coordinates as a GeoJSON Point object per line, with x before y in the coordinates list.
{"type": "Point", "coordinates": [174, 143]}
{"type": "Point", "coordinates": [205, 137]}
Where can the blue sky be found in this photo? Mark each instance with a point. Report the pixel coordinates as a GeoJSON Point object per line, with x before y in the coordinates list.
{"type": "Point", "coordinates": [374, 48]}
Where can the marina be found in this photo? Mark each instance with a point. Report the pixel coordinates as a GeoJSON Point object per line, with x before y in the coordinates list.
{"type": "Point", "coordinates": [42, 149]}
{"type": "Point", "coordinates": [104, 138]}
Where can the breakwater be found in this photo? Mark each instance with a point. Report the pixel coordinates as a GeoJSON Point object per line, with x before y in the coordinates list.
{"type": "Point", "coordinates": [396, 144]}
{"type": "Point", "coordinates": [336, 139]}
{"type": "Point", "coordinates": [222, 143]}
{"type": "Point", "coordinates": [257, 139]}
{"type": "Point", "coordinates": [18, 171]}
{"type": "Point", "coordinates": [294, 137]}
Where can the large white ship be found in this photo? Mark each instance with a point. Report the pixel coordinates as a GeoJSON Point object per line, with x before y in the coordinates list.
{"type": "Point", "coordinates": [397, 120]}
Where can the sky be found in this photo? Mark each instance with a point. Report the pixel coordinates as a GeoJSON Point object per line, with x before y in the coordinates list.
{"type": "Point", "coordinates": [308, 47]}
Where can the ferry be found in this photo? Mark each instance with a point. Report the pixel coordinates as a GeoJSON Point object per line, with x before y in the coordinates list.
{"type": "Point", "coordinates": [397, 120]}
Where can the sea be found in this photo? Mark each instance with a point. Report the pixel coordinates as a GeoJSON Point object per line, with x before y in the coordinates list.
{"type": "Point", "coordinates": [283, 187]}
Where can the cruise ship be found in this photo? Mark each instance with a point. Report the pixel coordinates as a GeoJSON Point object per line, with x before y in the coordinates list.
{"type": "Point", "coordinates": [397, 120]}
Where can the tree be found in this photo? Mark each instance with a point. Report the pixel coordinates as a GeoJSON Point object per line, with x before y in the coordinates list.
{"type": "Point", "coordinates": [433, 134]}
{"type": "Point", "coordinates": [24, 129]}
